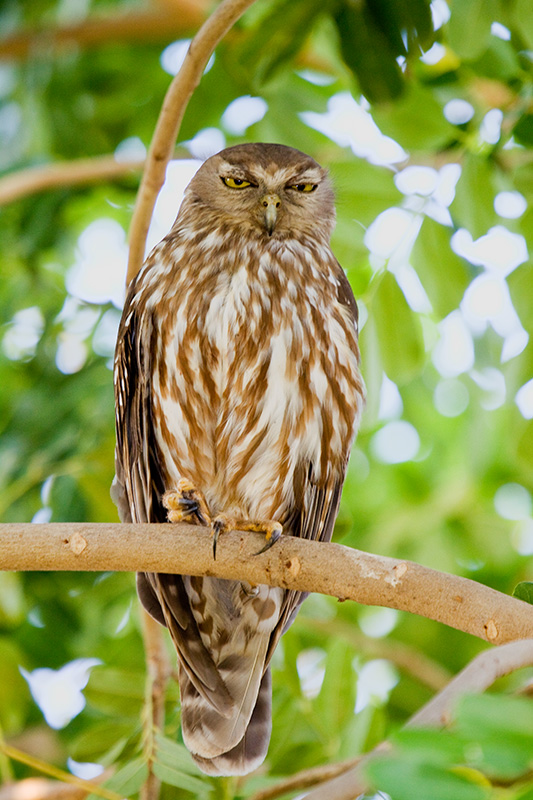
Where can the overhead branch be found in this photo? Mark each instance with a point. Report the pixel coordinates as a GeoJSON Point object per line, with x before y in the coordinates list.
{"type": "Point", "coordinates": [169, 122]}
{"type": "Point", "coordinates": [78, 172]}
{"type": "Point", "coordinates": [69, 173]}
{"type": "Point", "coordinates": [177, 18]}
{"type": "Point", "coordinates": [292, 563]}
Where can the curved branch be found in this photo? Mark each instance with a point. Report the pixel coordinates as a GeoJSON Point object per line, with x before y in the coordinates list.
{"type": "Point", "coordinates": [168, 124]}
{"type": "Point", "coordinates": [292, 563]}
{"type": "Point", "coordinates": [477, 676]}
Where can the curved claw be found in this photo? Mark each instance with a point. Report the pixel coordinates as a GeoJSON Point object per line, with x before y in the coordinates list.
{"type": "Point", "coordinates": [218, 526]}
{"type": "Point", "coordinates": [272, 536]}
{"type": "Point", "coordinates": [186, 504]}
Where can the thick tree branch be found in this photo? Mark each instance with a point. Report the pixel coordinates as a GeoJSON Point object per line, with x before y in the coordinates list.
{"type": "Point", "coordinates": [292, 563]}
{"type": "Point", "coordinates": [168, 124]}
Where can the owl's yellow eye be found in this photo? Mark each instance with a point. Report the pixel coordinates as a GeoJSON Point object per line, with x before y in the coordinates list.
{"type": "Point", "coordinates": [236, 183]}
{"type": "Point", "coordinates": [304, 187]}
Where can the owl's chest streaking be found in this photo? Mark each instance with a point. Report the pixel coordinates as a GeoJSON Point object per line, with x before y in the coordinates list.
{"type": "Point", "coordinates": [256, 378]}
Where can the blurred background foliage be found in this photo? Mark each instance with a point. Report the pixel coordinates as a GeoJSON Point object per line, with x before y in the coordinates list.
{"type": "Point", "coordinates": [423, 114]}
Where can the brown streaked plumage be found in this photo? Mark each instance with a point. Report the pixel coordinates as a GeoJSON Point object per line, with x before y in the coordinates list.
{"type": "Point", "coordinates": [238, 396]}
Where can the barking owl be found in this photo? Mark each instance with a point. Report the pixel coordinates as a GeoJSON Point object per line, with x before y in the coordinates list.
{"type": "Point", "coordinates": [238, 397]}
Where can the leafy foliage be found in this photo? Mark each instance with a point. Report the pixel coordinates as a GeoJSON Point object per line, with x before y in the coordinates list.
{"type": "Point", "coordinates": [436, 357]}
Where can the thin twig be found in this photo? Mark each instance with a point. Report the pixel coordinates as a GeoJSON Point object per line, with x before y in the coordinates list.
{"type": "Point", "coordinates": [59, 774]}
{"type": "Point", "coordinates": [168, 124]}
{"type": "Point", "coordinates": [304, 779]}
{"type": "Point", "coordinates": [158, 673]}
{"type": "Point", "coordinates": [408, 658]}
{"type": "Point", "coordinates": [292, 563]}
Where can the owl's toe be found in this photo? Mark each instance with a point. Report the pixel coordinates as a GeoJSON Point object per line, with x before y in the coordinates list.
{"type": "Point", "coordinates": [186, 504]}
{"type": "Point", "coordinates": [272, 531]}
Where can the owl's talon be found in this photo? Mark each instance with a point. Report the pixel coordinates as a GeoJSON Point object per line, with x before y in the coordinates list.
{"type": "Point", "coordinates": [220, 524]}
{"type": "Point", "coordinates": [272, 535]}
{"type": "Point", "coordinates": [186, 504]}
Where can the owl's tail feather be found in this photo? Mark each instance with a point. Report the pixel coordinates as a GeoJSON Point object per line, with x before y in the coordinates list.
{"type": "Point", "coordinates": [250, 752]}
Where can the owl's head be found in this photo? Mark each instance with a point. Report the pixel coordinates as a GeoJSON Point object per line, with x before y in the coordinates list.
{"type": "Point", "coordinates": [276, 191]}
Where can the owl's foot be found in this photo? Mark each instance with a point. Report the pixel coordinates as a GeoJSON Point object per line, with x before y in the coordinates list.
{"type": "Point", "coordinates": [222, 523]}
{"type": "Point", "coordinates": [186, 504]}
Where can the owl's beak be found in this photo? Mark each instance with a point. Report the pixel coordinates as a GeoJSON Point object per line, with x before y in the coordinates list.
{"type": "Point", "coordinates": [271, 204]}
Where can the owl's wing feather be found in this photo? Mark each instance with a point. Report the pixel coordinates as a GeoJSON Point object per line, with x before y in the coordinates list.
{"type": "Point", "coordinates": [137, 491]}
{"type": "Point", "coordinates": [138, 483]}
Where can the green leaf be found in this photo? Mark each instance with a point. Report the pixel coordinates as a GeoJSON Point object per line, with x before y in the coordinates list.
{"type": "Point", "coordinates": [367, 52]}
{"type": "Point", "coordinates": [362, 190]}
{"type": "Point", "coordinates": [404, 24]}
{"type": "Point", "coordinates": [174, 777]}
{"type": "Point", "coordinates": [495, 716]}
{"type": "Point", "coordinates": [520, 283]}
{"type": "Point", "coordinates": [372, 370]}
{"type": "Point", "coordinates": [523, 14]}
{"type": "Point", "coordinates": [336, 709]}
{"type": "Point", "coordinates": [473, 206]}
{"type": "Point", "coordinates": [405, 778]}
{"type": "Point", "coordinates": [173, 765]}
{"type": "Point", "coordinates": [12, 605]}
{"type": "Point", "coordinates": [523, 130]}
{"type": "Point", "coordinates": [444, 275]}
{"type": "Point", "coordinates": [97, 739]}
{"type": "Point", "coordinates": [525, 445]}
{"type": "Point", "coordinates": [524, 591]}
{"type": "Point", "coordinates": [115, 691]}
{"type": "Point", "coordinates": [176, 755]}
{"type": "Point", "coordinates": [399, 331]}
{"type": "Point", "coordinates": [15, 699]}
{"type": "Point", "coordinates": [416, 120]}
{"type": "Point", "coordinates": [279, 35]}
{"type": "Point", "coordinates": [129, 779]}
{"type": "Point", "coordinates": [469, 26]}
